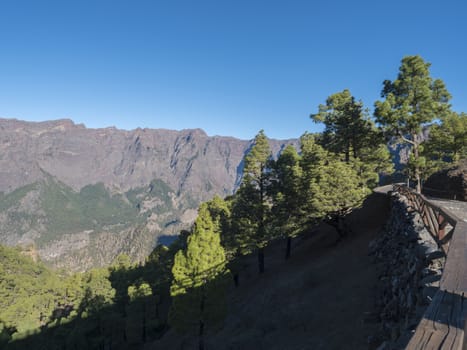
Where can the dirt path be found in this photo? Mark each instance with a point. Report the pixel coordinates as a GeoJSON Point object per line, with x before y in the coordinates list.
{"type": "Point", "coordinates": [315, 300]}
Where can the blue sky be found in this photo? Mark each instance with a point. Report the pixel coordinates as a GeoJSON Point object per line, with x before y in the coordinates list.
{"type": "Point", "coordinates": [228, 67]}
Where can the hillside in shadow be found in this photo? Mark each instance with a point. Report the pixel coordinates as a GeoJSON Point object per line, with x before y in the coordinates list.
{"type": "Point", "coordinates": [318, 299]}
{"type": "Point", "coordinates": [321, 298]}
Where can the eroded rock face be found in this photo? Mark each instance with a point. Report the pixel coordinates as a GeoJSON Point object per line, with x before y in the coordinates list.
{"type": "Point", "coordinates": [187, 160]}
{"type": "Point", "coordinates": [449, 183]}
{"type": "Point", "coordinates": [143, 184]}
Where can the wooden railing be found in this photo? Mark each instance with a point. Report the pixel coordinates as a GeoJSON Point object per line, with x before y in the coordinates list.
{"type": "Point", "coordinates": [443, 325]}
{"type": "Point", "coordinates": [434, 217]}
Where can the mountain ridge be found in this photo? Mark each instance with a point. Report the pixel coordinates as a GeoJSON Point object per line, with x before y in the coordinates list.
{"type": "Point", "coordinates": [56, 147]}
{"type": "Point", "coordinates": [154, 179]}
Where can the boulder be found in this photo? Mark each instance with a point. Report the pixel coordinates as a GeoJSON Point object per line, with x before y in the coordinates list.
{"type": "Point", "coordinates": [448, 183]}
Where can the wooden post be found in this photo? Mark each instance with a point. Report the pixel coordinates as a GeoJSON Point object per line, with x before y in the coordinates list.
{"type": "Point", "coordinates": [441, 226]}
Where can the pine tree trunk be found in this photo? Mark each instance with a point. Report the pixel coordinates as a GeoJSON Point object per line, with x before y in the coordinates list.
{"type": "Point", "coordinates": [341, 227]}
{"type": "Point", "coordinates": [289, 247]}
{"type": "Point", "coordinates": [417, 167]}
{"type": "Point", "coordinates": [338, 224]}
{"type": "Point", "coordinates": [201, 336]}
{"type": "Point", "coordinates": [235, 278]}
{"type": "Point", "coordinates": [261, 259]}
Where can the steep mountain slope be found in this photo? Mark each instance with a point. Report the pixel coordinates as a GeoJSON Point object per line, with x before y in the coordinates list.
{"type": "Point", "coordinates": [321, 298]}
{"type": "Point", "coordinates": [84, 195]}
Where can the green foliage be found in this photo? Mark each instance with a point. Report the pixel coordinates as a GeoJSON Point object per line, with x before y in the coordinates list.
{"type": "Point", "coordinates": [158, 266]}
{"type": "Point", "coordinates": [447, 142]}
{"type": "Point", "coordinates": [139, 292]}
{"type": "Point", "coordinates": [313, 156]}
{"type": "Point", "coordinates": [410, 102]}
{"type": "Point", "coordinates": [350, 132]}
{"type": "Point", "coordinates": [286, 193]}
{"type": "Point", "coordinates": [41, 309]}
{"type": "Point", "coordinates": [221, 211]}
{"type": "Point", "coordinates": [13, 198]}
{"type": "Point", "coordinates": [92, 208]}
{"type": "Point", "coordinates": [199, 277]}
{"type": "Point", "coordinates": [251, 204]}
{"type": "Point", "coordinates": [157, 189]}
{"type": "Point", "coordinates": [337, 190]}
{"type": "Point", "coordinates": [348, 128]}
{"type": "Point", "coordinates": [54, 210]}
{"type": "Point", "coordinates": [330, 188]}
{"type": "Point", "coordinates": [99, 292]}
{"type": "Point", "coordinates": [28, 291]}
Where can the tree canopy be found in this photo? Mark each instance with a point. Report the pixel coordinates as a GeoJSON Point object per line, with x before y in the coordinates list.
{"type": "Point", "coordinates": [413, 100]}
{"type": "Point", "coordinates": [251, 206]}
{"type": "Point", "coordinates": [199, 277]}
{"type": "Point", "coordinates": [348, 129]}
{"type": "Point", "coordinates": [447, 142]}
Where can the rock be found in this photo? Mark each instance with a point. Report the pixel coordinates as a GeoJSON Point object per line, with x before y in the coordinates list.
{"type": "Point", "coordinates": [424, 249]}
{"type": "Point", "coordinates": [187, 160]}
{"type": "Point", "coordinates": [448, 183]}
{"type": "Point", "coordinates": [40, 162]}
{"type": "Point", "coordinates": [435, 255]}
{"type": "Point", "coordinates": [431, 280]}
{"type": "Point", "coordinates": [411, 266]}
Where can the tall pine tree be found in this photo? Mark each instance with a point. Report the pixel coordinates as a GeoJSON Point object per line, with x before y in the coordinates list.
{"type": "Point", "coordinates": [348, 129]}
{"type": "Point", "coordinates": [199, 281]}
{"type": "Point", "coordinates": [286, 192]}
{"type": "Point", "coordinates": [410, 102]}
{"type": "Point", "coordinates": [350, 133]}
{"type": "Point", "coordinates": [251, 206]}
{"type": "Point", "coordinates": [330, 188]}
{"type": "Point", "coordinates": [447, 142]}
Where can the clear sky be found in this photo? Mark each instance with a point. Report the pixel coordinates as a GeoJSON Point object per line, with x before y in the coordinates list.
{"type": "Point", "coordinates": [228, 67]}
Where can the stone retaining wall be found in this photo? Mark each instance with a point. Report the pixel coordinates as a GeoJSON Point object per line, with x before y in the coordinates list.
{"type": "Point", "coordinates": [410, 268]}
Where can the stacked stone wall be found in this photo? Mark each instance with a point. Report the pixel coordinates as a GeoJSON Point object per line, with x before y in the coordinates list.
{"type": "Point", "coordinates": [410, 265]}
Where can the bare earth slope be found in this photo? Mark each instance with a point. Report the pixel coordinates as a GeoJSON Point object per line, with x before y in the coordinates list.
{"type": "Point", "coordinates": [316, 300]}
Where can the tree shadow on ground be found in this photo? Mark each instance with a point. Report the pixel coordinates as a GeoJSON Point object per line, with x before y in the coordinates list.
{"type": "Point", "coordinates": [127, 323]}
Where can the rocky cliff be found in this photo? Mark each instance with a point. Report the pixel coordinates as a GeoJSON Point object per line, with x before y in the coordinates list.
{"type": "Point", "coordinates": [84, 195]}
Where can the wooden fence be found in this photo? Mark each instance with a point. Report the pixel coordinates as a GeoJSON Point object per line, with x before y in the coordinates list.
{"type": "Point", "coordinates": [443, 325]}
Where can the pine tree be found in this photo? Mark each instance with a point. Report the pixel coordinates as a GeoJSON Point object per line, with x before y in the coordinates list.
{"type": "Point", "coordinates": [313, 156]}
{"type": "Point", "coordinates": [140, 300]}
{"type": "Point", "coordinates": [447, 142]}
{"type": "Point", "coordinates": [412, 101]}
{"type": "Point", "coordinates": [350, 132]}
{"type": "Point", "coordinates": [336, 191]}
{"type": "Point", "coordinates": [348, 128]}
{"type": "Point", "coordinates": [199, 280]}
{"type": "Point", "coordinates": [285, 191]}
{"type": "Point", "coordinates": [220, 211]}
{"type": "Point", "coordinates": [330, 187]}
{"type": "Point", "coordinates": [251, 206]}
